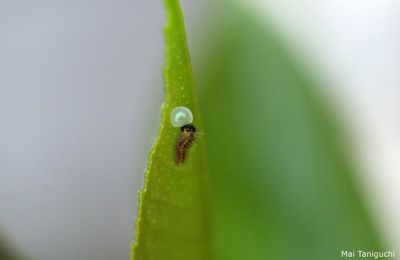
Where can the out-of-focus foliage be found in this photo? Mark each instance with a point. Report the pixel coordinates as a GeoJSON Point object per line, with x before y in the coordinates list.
{"type": "Point", "coordinates": [283, 183]}
{"type": "Point", "coordinates": [7, 252]}
{"type": "Point", "coordinates": [4, 253]}
{"type": "Point", "coordinates": [173, 220]}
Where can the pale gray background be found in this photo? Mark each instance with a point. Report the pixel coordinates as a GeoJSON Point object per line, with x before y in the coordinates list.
{"type": "Point", "coordinates": [80, 96]}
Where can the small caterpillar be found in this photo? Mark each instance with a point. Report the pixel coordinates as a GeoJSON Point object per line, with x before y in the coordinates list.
{"type": "Point", "coordinates": [185, 141]}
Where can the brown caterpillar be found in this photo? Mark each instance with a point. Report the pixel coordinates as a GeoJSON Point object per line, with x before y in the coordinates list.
{"type": "Point", "coordinates": [185, 141]}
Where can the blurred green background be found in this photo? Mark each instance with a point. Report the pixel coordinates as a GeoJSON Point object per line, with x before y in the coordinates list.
{"type": "Point", "coordinates": [283, 180]}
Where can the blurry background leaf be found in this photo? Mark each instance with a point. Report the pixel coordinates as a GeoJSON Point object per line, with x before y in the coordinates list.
{"type": "Point", "coordinates": [4, 253]}
{"type": "Point", "coordinates": [283, 182]}
{"type": "Point", "coordinates": [7, 251]}
{"type": "Point", "coordinates": [173, 218]}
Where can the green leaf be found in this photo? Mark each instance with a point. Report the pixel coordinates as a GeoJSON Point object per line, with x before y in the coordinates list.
{"type": "Point", "coordinates": [283, 180]}
{"type": "Point", "coordinates": [174, 208]}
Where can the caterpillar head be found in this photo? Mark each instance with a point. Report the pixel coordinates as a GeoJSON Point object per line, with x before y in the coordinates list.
{"type": "Point", "coordinates": [188, 129]}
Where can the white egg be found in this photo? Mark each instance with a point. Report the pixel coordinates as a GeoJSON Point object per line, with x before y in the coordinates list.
{"type": "Point", "coordinates": [181, 116]}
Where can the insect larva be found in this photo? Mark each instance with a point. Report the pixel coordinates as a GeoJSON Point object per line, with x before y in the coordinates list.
{"type": "Point", "coordinates": [185, 141]}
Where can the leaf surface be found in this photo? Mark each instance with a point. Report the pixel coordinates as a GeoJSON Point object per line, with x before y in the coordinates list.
{"type": "Point", "coordinates": [174, 206]}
